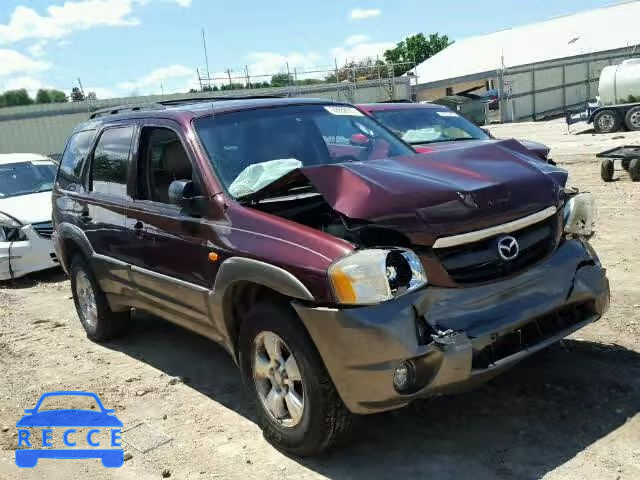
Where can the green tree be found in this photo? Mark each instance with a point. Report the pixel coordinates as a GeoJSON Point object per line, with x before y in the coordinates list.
{"type": "Point", "coordinates": [232, 86]}
{"type": "Point", "coordinates": [210, 88]}
{"type": "Point", "coordinates": [415, 50]}
{"type": "Point", "coordinates": [50, 96]}
{"type": "Point", "coordinates": [77, 95]}
{"type": "Point", "coordinates": [12, 98]}
{"type": "Point", "coordinates": [92, 96]}
{"type": "Point", "coordinates": [281, 80]}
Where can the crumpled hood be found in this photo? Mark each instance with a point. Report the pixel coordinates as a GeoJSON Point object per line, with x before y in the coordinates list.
{"type": "Point", "coordinates": [27, 209]}
{"type": "Point", "coordinates": [443, 192]}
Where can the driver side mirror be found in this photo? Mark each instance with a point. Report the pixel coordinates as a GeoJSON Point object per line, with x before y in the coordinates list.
{"type": "Point", "coordinates": [182, 193]}
{"type": "Point", "coordinates": [359, 139]}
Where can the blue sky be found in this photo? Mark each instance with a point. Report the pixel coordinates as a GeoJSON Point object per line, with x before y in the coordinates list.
{"type": "Point", "coordinates": [123, 47]}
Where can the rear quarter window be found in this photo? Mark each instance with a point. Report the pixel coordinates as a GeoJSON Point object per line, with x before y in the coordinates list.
{"type": "Point", "coordinates": [73, 160]}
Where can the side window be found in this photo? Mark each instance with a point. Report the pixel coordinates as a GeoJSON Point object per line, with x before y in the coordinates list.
{"type": "Point", "coordinates": [111, 161]}
{"type": "Point", "coordinates": [162, 160]}
{"type": "Point", "coordinates": [73, 160]}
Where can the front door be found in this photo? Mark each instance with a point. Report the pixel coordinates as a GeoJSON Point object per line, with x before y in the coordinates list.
{"type": "Point", "coordinates": [172, 273]}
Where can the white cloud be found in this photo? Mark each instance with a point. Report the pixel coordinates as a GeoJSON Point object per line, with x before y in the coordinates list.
{"type": "Point", "coordinates": [32, 85]}
{"type": "Point", "coordinates": [268, 63]}
{"type": "Point", "coordinates": [355, 39]}
{"type": "Point", "coordinates": [37, 49]}
{"type": "Point", "coordinates": [360, 51]}
{"type": "Point", "coordinates": [171, 78]}
{"type": "Point", "coordinates": [12, 63]}
{"type": "Point", "coordinates": [61, 20]}
{"type": "Point", "coordinates": [362, 13]}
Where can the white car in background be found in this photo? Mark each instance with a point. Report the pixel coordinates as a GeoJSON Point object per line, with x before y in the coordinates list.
{"type": "Point", "coordinates": [26, 180]}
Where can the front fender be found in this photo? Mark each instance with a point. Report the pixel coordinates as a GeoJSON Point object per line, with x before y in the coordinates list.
{"type": "Point", "coordinates": [240, 269]}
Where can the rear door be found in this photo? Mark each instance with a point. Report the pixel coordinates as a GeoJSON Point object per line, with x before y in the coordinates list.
{"type": "Point", "coordinates": [172, 273]}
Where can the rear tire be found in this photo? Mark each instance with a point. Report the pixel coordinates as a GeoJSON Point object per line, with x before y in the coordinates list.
{"type": "Point", "coordinates": [634, 170]}
{"type": "Point", "coordinates": [99, 321]}
{"type": "Point", "coordinates": [607, 121]}
{"type": "Point", "coordinates": [323, 418]}
{"type": "Point", "coordinates": [606, 170]}
{"type": "Point", "coordinates": [632, 119]}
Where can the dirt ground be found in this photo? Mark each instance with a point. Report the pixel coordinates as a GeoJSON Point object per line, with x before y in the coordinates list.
{"type": "Point", "coordinates": [570, 412]}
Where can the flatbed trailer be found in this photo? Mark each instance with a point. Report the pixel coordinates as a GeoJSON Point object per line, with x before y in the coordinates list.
{"type": "Point", "coordinates": [627, 155]}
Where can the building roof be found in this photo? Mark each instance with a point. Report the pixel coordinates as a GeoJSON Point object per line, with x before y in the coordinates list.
{"type": "Point", "coordinates": [599, 30]}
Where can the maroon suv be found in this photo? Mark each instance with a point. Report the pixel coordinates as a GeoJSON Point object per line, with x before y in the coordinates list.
{"type": "Point", "coordinates": [343, 272]}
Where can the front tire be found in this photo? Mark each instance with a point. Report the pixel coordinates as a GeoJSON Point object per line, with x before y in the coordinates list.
{"type": "Point", "coordinates": [99, 321]}
{"type": "Point", "coordinates": [606, 170]}
{"type": "Point", "coordinates": [299, 408]}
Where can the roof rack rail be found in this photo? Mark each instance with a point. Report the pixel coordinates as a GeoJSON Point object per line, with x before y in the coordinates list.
{"type": "Point", "coordinates": [184, 101]}
{"type": "Point", "coordinates": [133, 107]}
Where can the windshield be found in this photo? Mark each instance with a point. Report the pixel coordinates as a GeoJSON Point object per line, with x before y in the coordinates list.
{"type": "Point", "coordinates": [26, 177]}
{"type": "Point", "coordinates": [251, 149]}
{"type": "Point", "coordinates": [428, 125]}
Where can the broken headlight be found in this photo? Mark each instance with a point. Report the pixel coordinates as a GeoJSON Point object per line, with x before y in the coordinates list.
{"type": "Point", "coordinates": [580, 214]}
{"type": "Point", "coordinates": [375, 275]}
{"type": "Point", "coordinates": [10, 229]}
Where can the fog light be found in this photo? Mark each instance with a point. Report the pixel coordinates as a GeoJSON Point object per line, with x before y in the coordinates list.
{"type": "Point", "coordinates": [403, 376]}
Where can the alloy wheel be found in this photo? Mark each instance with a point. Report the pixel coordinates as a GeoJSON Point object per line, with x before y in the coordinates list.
{"type": "Point", "coordinates": [277, 379]}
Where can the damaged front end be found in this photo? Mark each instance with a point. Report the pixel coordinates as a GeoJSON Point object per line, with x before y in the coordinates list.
{"type": "Point", "coordinates": [453, 338]}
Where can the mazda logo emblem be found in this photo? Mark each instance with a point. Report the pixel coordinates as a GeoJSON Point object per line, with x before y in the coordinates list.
{"type": "Point", "coordinates": [508, 248]}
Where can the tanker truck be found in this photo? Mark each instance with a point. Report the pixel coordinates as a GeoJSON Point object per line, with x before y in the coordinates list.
{"type": "Point", "coordinates": [618, 102]}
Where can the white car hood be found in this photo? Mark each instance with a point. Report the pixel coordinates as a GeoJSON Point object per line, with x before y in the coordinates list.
{"type": "Point", "coordinates": [31, 208]}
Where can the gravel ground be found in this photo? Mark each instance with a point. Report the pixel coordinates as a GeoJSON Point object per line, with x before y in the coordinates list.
{"type": "Point", "coordinates": [570, 412]}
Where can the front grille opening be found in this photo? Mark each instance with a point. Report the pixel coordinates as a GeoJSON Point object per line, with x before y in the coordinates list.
{"type": "Point", "coordinates": [480, 262]}
{"type": "Point", "coordinates": [532, 333]}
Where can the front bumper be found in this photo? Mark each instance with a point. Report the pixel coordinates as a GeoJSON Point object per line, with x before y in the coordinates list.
{"type": "Point", "coordinates": [477, 332]}
{"type": "Point", "coordinates": [22, 257]}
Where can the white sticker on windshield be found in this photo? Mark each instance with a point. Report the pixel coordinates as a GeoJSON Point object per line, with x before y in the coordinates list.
{"type": "Point", "coordinates": [447, 114]}
{"type": "Point", "coordinates": [340, 110]}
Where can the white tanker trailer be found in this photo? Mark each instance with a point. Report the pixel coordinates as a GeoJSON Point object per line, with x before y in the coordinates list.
{"type": "Point", "coordinates": [618, 101]}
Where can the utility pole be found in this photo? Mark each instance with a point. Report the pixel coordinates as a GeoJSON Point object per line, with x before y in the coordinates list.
{"type": "Point", "coordinates": [246, 71]}
{"type": "Point", "coordinates": [161, 89]}
{"type": "Point", "coordinates": [206, 58]}
{"type": "Point", "coordinates": [199, 78]}
{"type": "Point", "coordinates": [229, 75]}
{"type": "Point", "coordinates": [80, 83]}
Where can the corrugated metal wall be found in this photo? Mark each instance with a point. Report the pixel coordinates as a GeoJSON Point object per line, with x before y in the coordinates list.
{"type": "Point", "coordinates": [536, 91]}
{"type": "Point", "coordinates": [45, 128]}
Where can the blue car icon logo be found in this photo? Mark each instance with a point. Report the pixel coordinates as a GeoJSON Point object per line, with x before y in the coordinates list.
{"type": "Point", "coordinates": [29, 442]}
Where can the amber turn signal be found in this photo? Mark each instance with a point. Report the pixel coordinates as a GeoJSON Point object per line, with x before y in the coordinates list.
{"type": "Point", "coordinates": [213, 257]}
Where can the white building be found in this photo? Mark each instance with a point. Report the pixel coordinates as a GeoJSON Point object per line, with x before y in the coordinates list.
{"type": "Point", "coordinates": [541, 69]}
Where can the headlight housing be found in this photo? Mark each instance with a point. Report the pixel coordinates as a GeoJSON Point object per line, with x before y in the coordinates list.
{"type": "Point", "coordinates": [10, 229]}
{"type": "Point", "coordinates": [375, 275]}
{"type": "Point", "coordinates": [580, 214]}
